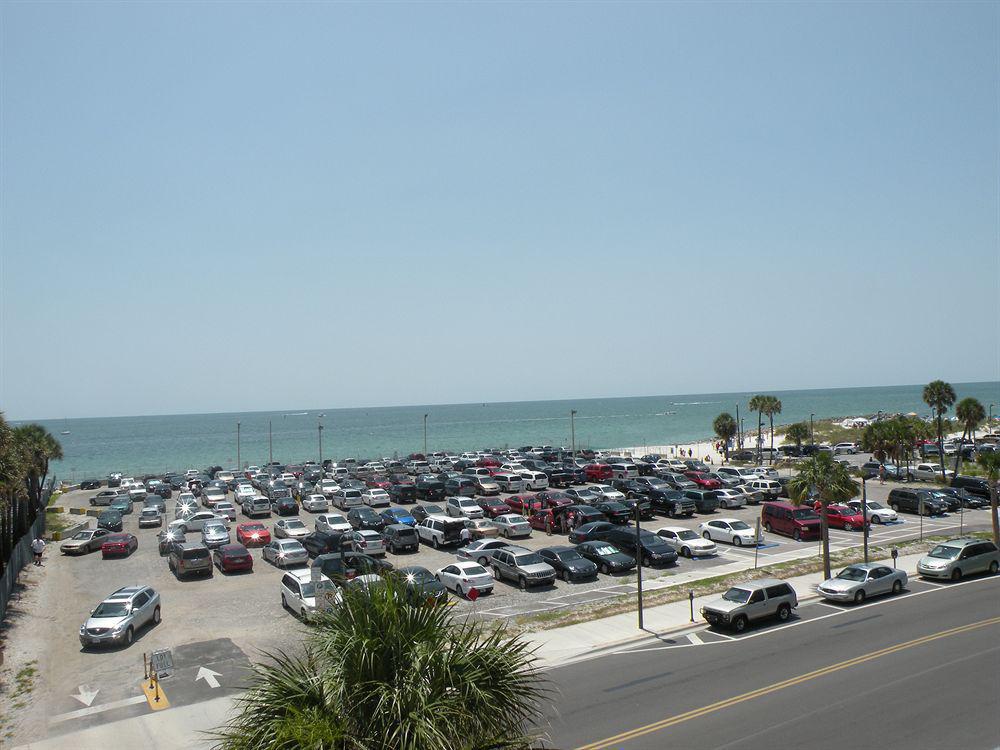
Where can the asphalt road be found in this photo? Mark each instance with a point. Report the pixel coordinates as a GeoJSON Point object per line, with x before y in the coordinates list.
{"type": "Point", "coordinates": [914, 672]}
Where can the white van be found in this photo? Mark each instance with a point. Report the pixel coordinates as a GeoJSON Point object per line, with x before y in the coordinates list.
{"type": "Point", "coordinates": [770, 489]}
{"type": "Point", "coordinates": [624, 471]}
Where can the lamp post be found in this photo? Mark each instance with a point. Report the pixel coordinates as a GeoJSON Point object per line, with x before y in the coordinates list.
{"type": "Point", "coordinates": [638, 561]}
{"type": "Point", "coordinates": [572, 430]}
{"type": "Point", "coordinates": [812, 431]}
{"type": "Point", "coordinates": [425, 437]}
{"type": "Point", "coordinates": [319, 430]}
{"type": "Point", "coordinates": [739, 437]}
{"type": "Point", "coordinates": [238, 464]}
{"type": "Point", "coordinates": [864, 513]}
{"type": "Point", "coordinates": [989, 421]}
{"type": "Point", "coordinates": [270, 444]}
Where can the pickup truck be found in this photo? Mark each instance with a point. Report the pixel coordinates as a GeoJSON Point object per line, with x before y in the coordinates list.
{"type": "Point", "coordinates": [441, 531]}
{"type": "Point", "coordinates": [930, 472]}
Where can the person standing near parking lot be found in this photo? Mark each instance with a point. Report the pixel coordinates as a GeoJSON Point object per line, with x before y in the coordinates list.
{"type": "Point", "coordinates": [38, 547]}
{"type": "Point", "coordinates": [465, 535]}
{"type": "Point", "coordinates": [881, 475]}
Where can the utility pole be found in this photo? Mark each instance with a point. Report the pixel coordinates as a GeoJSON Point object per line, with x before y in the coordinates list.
{"type": "Point", "coordinates": [739, 437]}
{"type": "Point", "coordinates": [319, 429]}
{"type": "Point", "coordinates": [864, 513]}
{"type": "Point", "coordinates": [638, 561]}
{"type": "Point", "coordinates": [572, 429]}
{"type": "Point", "coordinates": [238, 464]}
{"type": "Point", "coordinates": [270, 445]}
{"type": "Point", "coordinates": [425, 437]}
{"type": "Point", "coordinates": [812, 432]}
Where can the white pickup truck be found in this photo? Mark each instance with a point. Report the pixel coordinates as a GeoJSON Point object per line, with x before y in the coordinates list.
{"type": "Point", "coordinates": [440, 531]}
{"type": "Point", "coordinates": [930, 472]}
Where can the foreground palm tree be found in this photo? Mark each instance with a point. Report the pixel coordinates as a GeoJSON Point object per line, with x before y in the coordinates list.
{"type": "Point", "coordinates": [821, 478]}
{"type": "Point", "coordinates": [378, 673]}
{"type": "Point", "coordinates": [990, 463]}
{"type": "Point", "coordinates": [40, 447]}
{"type": "Point", "coordinates": [939, 396]}
{"type": "Point", "coordinates": [969, 413]}
{"type": "Point", "coordinates": [725, 427]}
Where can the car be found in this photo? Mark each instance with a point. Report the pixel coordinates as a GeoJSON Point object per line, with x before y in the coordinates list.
{"type": "Point", "coordinates": [960, 557]}
{"type": "Point", "coordinates": [253, 534]}
{"type": "Point", "coordinates": [647, 547]}
{"type": "Point", "coordinates": [917, 501]}
{"type": "Point", "coordinates": [492, 506]}
{"type": "Point", "coordinates": [730, 530]}
{"type": "Point", "coordinates": [844, 517]}
{"type": "Point", "coordinates": [547, 499]}
{"type": "Point", "coordinates": [845, 448]}
{"type": "Point", "coordinates": [589, 531]}
{"type": "Point", "coordinates": [428, 487]}
{"type": "Point", "coordinates": [568, 563]}
{"type": "Point", "coordinates": [740, 474]}
{"type": "Point", "coordinates": [534, 480]}
{"type": "Point", "coordinates": [116, 619]}
{"type": "Point", "coordinates": [255, 506]}
{"type": "Point", "coordinates": [227, 509]}
{"type": "Point", "coordinates": [214, 535]}
{"type": "Point", "coordinates": [608, 558]}
{"type": "Point", "coordinates": [512, 525]}
{"type": "Point", "coordinates": [463, 507]}
{"type": "Point", "coordinates": [403, 492]}
{"type": "Point", "coordinates": [341, 567]}
{"type": "Point", "coordinates": [420, 586]}
{"type": "Point", "coordinates": [167, 538]}
{"type": "Point", "coordinates": [245, 492]}
{"type": "Point", "coordinates": [974, 485]}
{"type": "Point", "coordinates": [189, 558]}
{"type": "Point", "coordinates": [930, 472]}
{"type": "Point", "coordinates": [398, 515]}
{"type": "Point", "coordinates": [104, 497]}
{"type": "Point", "coordinates": [462, 577]}
{"type": "Point", "coordinates": [730, 498]}
{"type": "Point", "coordinates": [84, 542]}
{"type": "Point", "coordinates": [753, 600]}
{"type": "Point", "coordinates": [290, 528]}
{"type": "Point", "coordinates": [367, 541]}
{"type": "Point", "coordinates": [615, 512]}
{"type": "Point", "coordinates": [461, 485]}
{"type": "Point", "coordinates": [326, 487]}
{"type": "Point", "coordinates": [365, 518]}
{"type": "Point", "coordinates": [401, 537]}
{"type": "Point", "coordinates": [877, 513]}
{"type": "Point", "coordinates": [284, 506]}
{"type": "Point", "coordinates": [150, 517]}
{"type": "Point", "coordinates": [119, 545]}
{"type": "Point", "coordinates": [679, 482]}
{"type": "Point", "coordinates": [197, 521]}
{"type": "Point", "coordinates": [855, 583]}
{"type": "Point", "coordinates": [90, 484]}
{"type": "Point", "coordinates": [703, 481]}
{"type": "Point", "coordinates": [509, 482]}
{"type": "Point", "coordinates": [607, 492]}
{"type": "Point", "coordinates": [687, 542]}
{"type": "Point", "coordinates": [156, 502]}
{"type": "Point", "coordinates": [324, 542]}
{"type": "Point", "coordinates": [315, 503]}
{"type": "Point", "coordinates": [960, 498]}
{"type": "Point", "coordinates": [481, 550]}
{"type": "Point", "coordinates": [332, 522]}
{"type": "Point", "coordinates": [376, 498]}
{"type": "Point", "coordinates": [482, 528]}
{"type": "Point", "coordinates": [285, 553]}
{"type": "Point", "coordinates": [522, 565]}
{"type": "Point", "coordinates": [420, 512]}
{"type": "Point", "coordinates": [122, 505]}
{"type": "Point", "coordinates": [705, 501]}
{"type": "Point", "coordinates": [232, 558]}
{"type": "Point", "coordinates": [299, 593]}
{"type": "Point", "coordinates": [780, 517]}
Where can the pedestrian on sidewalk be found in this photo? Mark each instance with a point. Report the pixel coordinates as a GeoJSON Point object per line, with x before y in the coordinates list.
{"type": "Point", "coordinates": [881, 474]}
{"type": "Point", "coordinates": [38, 547]}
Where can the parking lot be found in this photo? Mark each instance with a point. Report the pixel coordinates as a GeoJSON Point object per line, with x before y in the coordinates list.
{"type": "Point", "coordinates": [213, 626]}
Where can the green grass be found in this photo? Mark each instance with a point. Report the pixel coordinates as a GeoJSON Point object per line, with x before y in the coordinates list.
{"type": "Point", "coordinates": [54, 496]}
{"type": "Point", "coordinates": [24, 685]}
{"type": "Point", "coordinates": [55, 522]}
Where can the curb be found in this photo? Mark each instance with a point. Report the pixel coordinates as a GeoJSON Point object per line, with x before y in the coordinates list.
{"type": "Point", "coordinates": [58, 536]}
{"type": "Point", "coordinates": [55, 509]}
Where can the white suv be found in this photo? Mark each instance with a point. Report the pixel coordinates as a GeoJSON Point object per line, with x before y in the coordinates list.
{"type": "Point", "coordinates": [463, 507]}
{"type": "Point", "coordinates": [118, 617]}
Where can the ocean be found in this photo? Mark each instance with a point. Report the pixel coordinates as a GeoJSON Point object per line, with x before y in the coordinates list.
{"type": "Point", "coordinates": [138, 445]}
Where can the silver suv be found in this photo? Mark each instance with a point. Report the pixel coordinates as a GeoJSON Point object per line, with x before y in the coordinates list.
{"type": "Point", "coordinates": [753, 600]}
{"type": "Point", "coordinates": [958, 557]}
{"type": "Point", "coordinates": [522, 565]}
{"type": "Point", "coordinates": [116, 619]}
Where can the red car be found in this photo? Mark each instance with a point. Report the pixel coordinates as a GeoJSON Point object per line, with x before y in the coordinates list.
{"type": "Point", "coordinates": [378, 483]}
{"type": "Point", "coordinates": [230, 558]}
{"type": "Point", "coordinates": [543, 520]}
{"type": "Point", "coordinates": [488, 462]}
{"type": "Point", "coordinates": [554, 498]}
{"type": "Point", "coordinates": [493, 506]}
{"type": "Point", "coordinates": [518, 503]}
{"type": "Point", "coordinates": [253, 534]}
{"type": "Point", "coordinates": [119, 545]}
{"type": "Point", "coordinates": [703, 481]}
{"type": "Point", "coordinates": [842, 517]}
{"type": "Point", "coordinates": [597, 472]}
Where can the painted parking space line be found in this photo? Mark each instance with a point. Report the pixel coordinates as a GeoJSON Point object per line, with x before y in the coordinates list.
{"type": "Point", "coordinates": [101, 708]}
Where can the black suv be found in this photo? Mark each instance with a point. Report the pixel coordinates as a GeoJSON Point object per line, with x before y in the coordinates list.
{"type": "Point", "coordinates": [429, 487]}
{"type": "Point", "coordinates": [404, 493]}
{"type": "Point", "coordinates": [365, 518]}
{"type": "Point", "coordinates": [324, 542]}
{"type": "Point", "coordinates": [975, 485]}
{"type": "Point", "coordinates": [340, 567]}
{"type": "Point", "coordinates": [663, 497]}
{"type": "Point", "coordinates": [655, 551]}
{"type": "Point", "coordinates": [706, 501]}
{"type": "Point", "coordinates": [909, 501]}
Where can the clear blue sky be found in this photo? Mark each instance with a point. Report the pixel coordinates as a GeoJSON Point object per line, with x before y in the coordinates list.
{"type": "Point", "coordinates": [225, 206]}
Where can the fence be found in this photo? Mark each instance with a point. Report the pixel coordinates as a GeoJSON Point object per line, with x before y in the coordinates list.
{"type": "Point", "coordinates": [19, 557]}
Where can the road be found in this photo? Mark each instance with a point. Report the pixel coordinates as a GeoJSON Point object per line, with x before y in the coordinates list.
{"type": "Point", "coordinates": [918, 671]}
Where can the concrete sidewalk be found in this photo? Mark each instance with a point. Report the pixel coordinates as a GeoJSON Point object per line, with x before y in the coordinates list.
{"type": "Point", "coordinates": [560, 645]}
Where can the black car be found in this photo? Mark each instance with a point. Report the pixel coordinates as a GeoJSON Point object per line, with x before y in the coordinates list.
{"type": "Point", "coordinates": [706, 501]}
{"type": "Point", "coordinates": [285, 506]}
{"type": "Point", "coordinates": [429, 487]}
{"type": "Point", "coordinates": [420, 585]}
{"type": "Point", "coordinates": [573, 516]}
{"type": "Point", "coordinates": [90, 484]}
{"type": "Point", "coordinates": [744, 455]}
{"type": "Point", "coordinates": [559, 476]}
{"type": "Point", "coordinates": [364, 518]}
{"type": "Point", "coordinates": [569, 564]}
{"type": "Point", "coordinates": [110, 520]}
{"type": "Point", "coordinates": [962, 497]}
{"type": "Point", "coordinates": [403, 493]}
{"type": "Point", "coordinates": [614, 511]}
{"type": "Point", "coordinates": [910, 501]}
{"type": "Point", "coordinates": [663, 497]}
{"type": "Point", "coordinates": [974, 485]}
{"type": "Point", "coordinates": [340, 567]}
{"type": "Point", "coordinates": [645, 507]}
{"type": "Point", "coordinates": [589, 531]}
{"type": "Point", "coordinates": [164, 491]}
{"type": "Point", "coordinates": [325, 542]}
{"type": "Point", "coordinates": [420, 512]}
{"type": "Point", "coordinates": [654, 550]}
{"type": "Point", "coordinates": [606, 556]}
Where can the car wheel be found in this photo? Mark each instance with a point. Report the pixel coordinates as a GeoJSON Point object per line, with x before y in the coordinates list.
{"type": "Point", "coordinates": [483, 561]}
{"type": "Point", "coordinates": [435, 543]}
{"type": "Point", "coordinates": [993, 567]}
{"type": "Point", "coordinates": [875, 519]}
{"type": "Point", "coordinates": [724, 505]}
{"type": "Point", "coordinates": [956, 574]}
{"type": "Point", "coordinates": [522, 583]}
{"type": "Point", "coordinates": [706, 535]}
{"type": "Point", "coordinates": [767, 527]}
{"type": "Point", "coordinates": [894, 506]}
{"type": "Point", "coordinates": [859, 597]}
{"type": "Point", "coordinates": [737, 542]}
{"type": "Point", "coordinates": [797, 535]}
{"type": "Point", "coordinates": [496, 574]}
{"type": "Point", "coordinates": [284, 601]}
{"type": "Point", "coordinates": [129, 636]}
{"type": "Point", "coordinates": [156, 615]}
{"type": "Point", "coordinates": [784, 612]}
{"type": "Point", "coordinates": [740, 623]}
{"type": "Point", "coordinates": [897, 586]}
{"type": "Point", "coordinates": [685, 552]}
{"type": "Point", "coordinates": [606, 570]}
{"type": "Point", "coordinates": [564, 575]}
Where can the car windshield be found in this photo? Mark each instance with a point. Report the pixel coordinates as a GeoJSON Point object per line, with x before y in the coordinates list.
{"type": "Point", "coordinates": [605, 550]}
{"type": "Point", "coordinates": [852, 574]}
{"type": "Point", "coordinates": [738, 526]}
{"type": "Point", "coordinates": [875, 506]}
{"type": "Point", "coordinates": [308, 589]}
{"type": "Point", "coordinates": [419, 576]}
{"type": "Point", "coordinates": [803, 514]}
{"type": "Point", "coordinates": [569, 555]}
{"type": "Point", "coordinates": [944, 552]}
{"type": "Point", "coordinates": [111, 609]}
{"type": "Point", "coordinates": [687, 534]}
{"type": "Point", "coordinates": [83, 535]}
{"type": "Point", "coordinates": [740, 596]}
{"type": "Point", "coordinates": [475, 570]}
{"type": "Point", "coordinates": [294, 525]}
{"type": "Point", "coordinates": [533, 559]}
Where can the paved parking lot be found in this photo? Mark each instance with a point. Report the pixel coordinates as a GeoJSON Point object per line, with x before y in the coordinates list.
{"type": "Point", "coordinates": [217, 624]}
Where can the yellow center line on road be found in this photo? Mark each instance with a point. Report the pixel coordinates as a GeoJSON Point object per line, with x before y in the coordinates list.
{"type": "Point", "coordinates": [760, 692]}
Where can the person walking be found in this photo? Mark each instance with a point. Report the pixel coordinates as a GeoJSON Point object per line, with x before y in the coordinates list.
{"type": "Point", "coordinates": [881, 474]}
{"type": "Point", "coordinates": [38, 547]}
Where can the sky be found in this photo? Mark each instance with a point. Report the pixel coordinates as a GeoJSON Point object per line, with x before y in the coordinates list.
{"type": "Point", "coordinates": [226, 206]}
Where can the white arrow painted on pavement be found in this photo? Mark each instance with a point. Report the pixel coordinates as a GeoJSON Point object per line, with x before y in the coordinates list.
{"type": "Point", "coordinates": [206, 674]}
{"type": "Point", "coordinates": [85, 695]}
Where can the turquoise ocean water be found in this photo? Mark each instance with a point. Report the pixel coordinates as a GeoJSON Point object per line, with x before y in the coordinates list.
{"type": "Point", "coordinates": [135, 445]}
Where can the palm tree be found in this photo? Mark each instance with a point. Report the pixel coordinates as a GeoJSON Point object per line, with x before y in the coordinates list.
{"type": "Point", "coordinates": [13, 496]}
{"type": "Point", "coordinates": [759, 404]}
{"type": "Point", "coordinates": [39, 447]}
{"type": "Point", "coordinates": [725, 427]}
{"type": "Point", "coordinates": [970, 413]}
{"type": "Point", "coordinates": [823, 479]}
{"type": "Point", "coordinates": [879, 440]}
{"type": "Point", "coordinates": [377, 672]}
{"type": "Point", "coordinates": [939, 396]}
{"type": "Point", "coordinates": [990, 462]}
{"type": "Point", "coordinates": [773, 407]}
{"type": "Point", "coordinates": [797, 433]}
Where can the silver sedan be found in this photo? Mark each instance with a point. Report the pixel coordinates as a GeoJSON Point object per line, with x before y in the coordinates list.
{"type": "Point", "coordinates": [855, 583]}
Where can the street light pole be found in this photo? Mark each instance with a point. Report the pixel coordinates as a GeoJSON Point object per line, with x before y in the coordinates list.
{"type": "Point", "coordinates": [319, 429]}
{"type": "Point", "coordinates": [864, 513]}
{"type": "Point", "coordinates": [572, 429]}
{"type": "Point", "coordinates": [238, 464]}
{"type": "Point", "coordinates": [270, 444]}
{"type": "Point", "coordinates": [739, 437]}
{"type": "Point", "coordinates": [425, 437]}
{"type": "Point", "coordinates": [812, 431]}
{"type": "Point", "coordinates": [638, 561]}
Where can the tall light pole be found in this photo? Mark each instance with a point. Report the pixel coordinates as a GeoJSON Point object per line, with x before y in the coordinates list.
{"type": "Point", "coordinates": [989, 422]}
{"type": "Point", "coordinates": [572, 430]}
{"type": "Point", "coordinates": [864, 513]}
{"type": "Point", "coordinates": [238, 464]}
{"type": "Point", "coordinates": [638, 560]}
{"type": "Point", "coordinates": [812, 431]}
{"type": "Point", "coordinates": [319, 429]}
{"type": "Point", "coordinates": [270, 444]}
{"type": "Point", "coordinates": [425, 436]}
{"type": "Point", "coordinates": [739, 436]}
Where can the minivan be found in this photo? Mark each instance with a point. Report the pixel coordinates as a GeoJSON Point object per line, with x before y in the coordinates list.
{"type": "Point", "coordinates": [624, 471]}
{"type": "Point", "coordinates": [958, 557]}
{"type": "Point", "coordinates": [790, 520]}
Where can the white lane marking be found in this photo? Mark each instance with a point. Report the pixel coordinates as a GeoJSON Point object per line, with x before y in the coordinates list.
{"type": "Point", "coordinates": [80, 713]}
{"type": "Point", "coordinates": [695, 639]}
{"type": "Point", "coordinates": [85, 695]}
{"type": "Point", "coordinates": [209, 676]}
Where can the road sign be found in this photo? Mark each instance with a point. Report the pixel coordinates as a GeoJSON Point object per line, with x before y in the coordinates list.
{"type": "Point", "coordinates": [162, 662]}
{"type": "Point", "coordinates": [327, 595]}
{"type": "Point", "coordinates": [472, 594]}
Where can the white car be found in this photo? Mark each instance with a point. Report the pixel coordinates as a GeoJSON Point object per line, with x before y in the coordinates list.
{"type": "Point", "coordinates": [509, 482]}
{"type": "Point", "coordinates": [285, 553]}
{"type": "Point", "coordinates": [376, 498]}
{"type": "Point", "coordinates": [730, 530]}
{"type": "Point", "coordinates": [290, 528]}
{"type": "Point", "coordinates": [316, 503]}
{"type": "Point", "coordinates": [687, 542]}
{"type": "Point", "coordinates": [607, 492]}
{"type": "Point", "coordinates": [877, 512]}
{"type": "Point", "coordinates": [766, 472]}
{"type": "Point", "coordinates": [298, 592]}
{"type": "Point", "coordinates": [367, 541]}
{"type": "Point", "coordinates": [463, 507]}
{"type": "Point", "coordinates": [512, 525]}
{"type": "Point", "coordinates": [743, 475]}
{"type": "Point", "coordinates": [534, 480]}
{"type": "Point", "coordinates": [227, 509]}
{"type": "Point", "coordinates": [332, 522]}
{"type": "Point", "coordinates": [243, 491]}
{"type": "Point", "coordinates": [729, 498]}
{"type": "Point", "coordinates": [196, 521]}
{"type": "Point", "coordinates": [460, 577]}
{"type": "Point", "coordinates": [326, 487]}
{"type": "Point", "coordinates": [930, 472]}
{"type": "Point", "coordinates": [848, 448]}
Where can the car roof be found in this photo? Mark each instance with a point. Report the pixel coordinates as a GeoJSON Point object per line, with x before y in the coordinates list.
{"type": "Point", "coordinates": [301, 574]}
{"type": "Point", "coordinates": [759, 583]}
